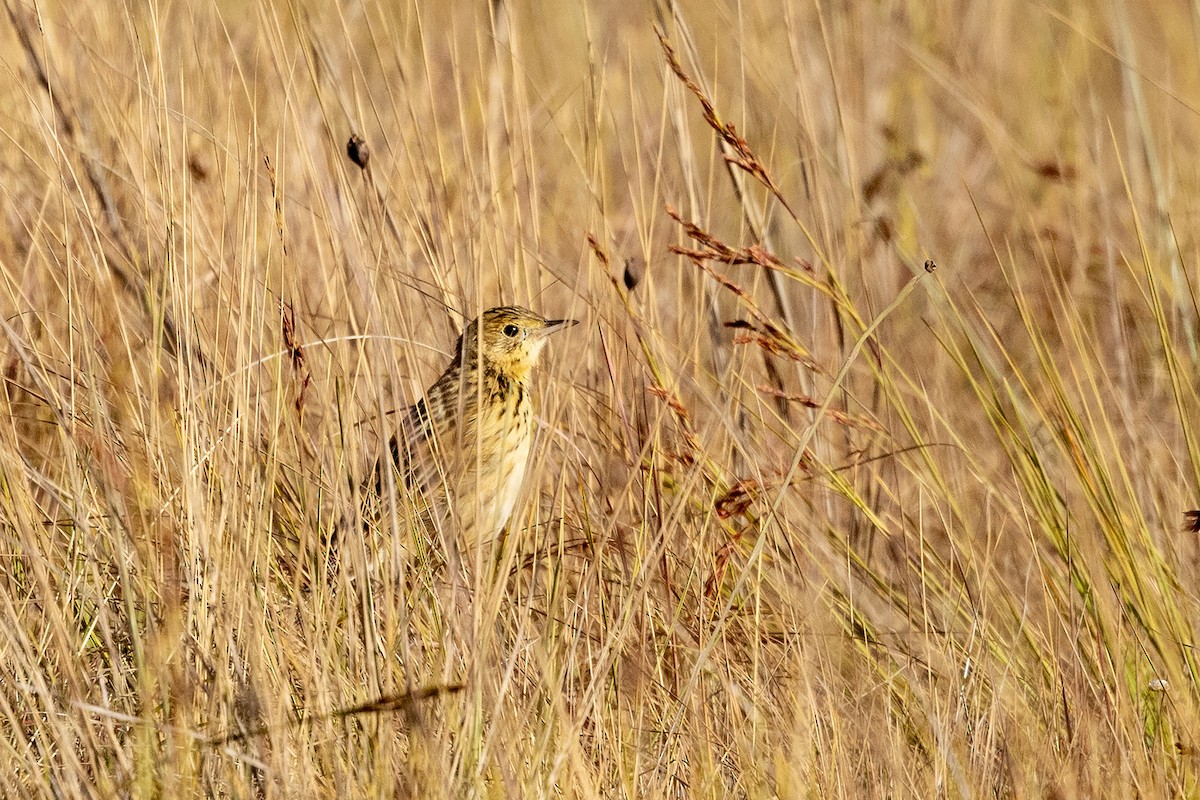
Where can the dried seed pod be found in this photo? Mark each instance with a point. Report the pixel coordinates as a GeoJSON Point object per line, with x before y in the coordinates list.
{"type": "Point", "coordinates": [635, 270]}
{"type": "Point", "coordinates": [358, 151]}
{"type": "Point", "coordinates": [199, 158]}
{"type": "Point", "coordinates": [197, 167]}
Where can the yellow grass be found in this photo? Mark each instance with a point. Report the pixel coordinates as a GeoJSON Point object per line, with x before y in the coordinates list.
{"type": "Point", "coordinates": [888, 534]}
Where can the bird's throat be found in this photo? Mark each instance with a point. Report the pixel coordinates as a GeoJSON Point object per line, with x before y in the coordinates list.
{"type": "Point", "coordinates": [503, 385]}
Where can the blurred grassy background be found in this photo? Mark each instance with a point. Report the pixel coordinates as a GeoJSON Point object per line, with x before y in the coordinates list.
{"type": "Point", "coordinates": [815, 523]}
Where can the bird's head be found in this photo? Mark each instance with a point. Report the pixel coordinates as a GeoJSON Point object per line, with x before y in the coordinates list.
{"type": "Point", "coordinates": [510, 338]}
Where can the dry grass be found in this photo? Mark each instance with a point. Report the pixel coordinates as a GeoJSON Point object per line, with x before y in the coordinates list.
{"type": "Point", "coordinates": [805, 520]}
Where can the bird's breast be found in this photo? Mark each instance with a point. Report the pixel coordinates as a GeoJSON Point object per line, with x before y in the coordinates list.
{"type": "Point", "coordinates": [494, 468]}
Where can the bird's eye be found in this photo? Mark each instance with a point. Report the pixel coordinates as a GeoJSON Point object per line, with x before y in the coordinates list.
{"type": "Point", "coordinates": [511, 330]}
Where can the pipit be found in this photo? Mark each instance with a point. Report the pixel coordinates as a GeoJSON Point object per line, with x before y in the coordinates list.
{"type": "Point", "coordinates": [462, 450]}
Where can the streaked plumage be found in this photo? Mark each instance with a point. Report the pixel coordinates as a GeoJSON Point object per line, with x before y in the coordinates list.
{"type": "Point", "coordinates": [468, 439]}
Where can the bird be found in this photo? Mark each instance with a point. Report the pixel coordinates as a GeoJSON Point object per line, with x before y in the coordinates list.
{"type": "Point", "coordinates": [462, 450]}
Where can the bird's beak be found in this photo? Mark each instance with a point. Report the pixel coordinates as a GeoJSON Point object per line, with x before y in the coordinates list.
{"type": "Point", "coordinates": [554, 325]}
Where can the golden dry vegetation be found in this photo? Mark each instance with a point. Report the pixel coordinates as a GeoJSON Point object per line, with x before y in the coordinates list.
{"type": "Point", "coordinates": [804, 519]}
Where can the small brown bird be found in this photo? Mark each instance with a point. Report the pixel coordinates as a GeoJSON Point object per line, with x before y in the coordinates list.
{"type": "Point", "coordinates": [462, 449]}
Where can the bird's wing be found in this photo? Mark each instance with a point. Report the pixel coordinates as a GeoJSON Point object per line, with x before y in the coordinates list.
{"type": "Point", "coordinates": [413, 451]}
{"type": "Point", "coordinates": [430, 445]}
